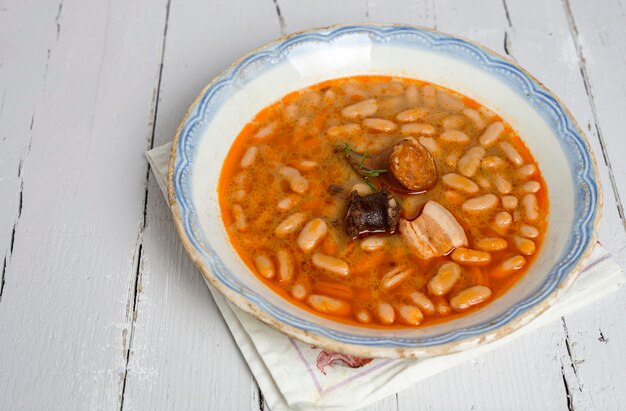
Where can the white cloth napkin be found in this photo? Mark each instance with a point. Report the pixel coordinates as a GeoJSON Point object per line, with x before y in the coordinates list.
{"type": "Point", "coordinates": [292, 374]}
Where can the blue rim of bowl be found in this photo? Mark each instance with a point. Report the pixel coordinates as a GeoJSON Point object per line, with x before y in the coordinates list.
{"type": "Point", "coordinates": [572, 140]}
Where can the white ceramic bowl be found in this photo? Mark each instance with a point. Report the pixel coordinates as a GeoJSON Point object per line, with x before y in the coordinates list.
{"type": "Point", "coordinates": [297, 61]}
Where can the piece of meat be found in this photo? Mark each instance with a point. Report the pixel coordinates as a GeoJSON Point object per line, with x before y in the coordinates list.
{"type": "Point", "coordinates": [434, 233]}
{"type": "Point", "coordinates": [413, 165]}
{"type": "Point", "coordinates": [330, 358]}
{"type": "Point", "coordinates": [371, 213]}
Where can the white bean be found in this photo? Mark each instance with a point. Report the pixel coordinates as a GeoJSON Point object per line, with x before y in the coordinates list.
{"type": "Point", "coordinates": [411, 206]}
{"type": "Point", "coordinates": [503, 185]}
{"type": "Point", "coordinates": [312, 99]}
{"type": "Point", "coordinates": [352, 89]}
{"type": "Point", "coordinates": [389, 88]}
{"type": "Point", "coordinates": [285, 266]}
{"type": "Point", "coordinates": [491, 244]}
{"type": "Point", "coordinates": [480, 204]}
{"type": "Point", "coordinates": [470, 161]}
{"type": "Point", "coordinates": [491, 134]}
{"type": "Point", "coordinates": [455, 136]}
{"type": "Point", "coordinates": [331, 264]}
{"type": "Point", "coordinates": [508, 267]}
{"type": "Point", "coordinates": [527, 170]}
{"type": "Point", "coordinates": [385, 313]}
{"type": "Point", "coordinates": [264, 266]}
{"type": "Point", "coordinates": [395, 277]}
{"type": "Point", "coordinates": [449, 102]}
{"type": "Point", "coordinates": [363, 315]}
{"type": "Point", "coordinates": [248, 157]}
{"type": "Point", "coordinates": [392, 104]}
{"type": "Point", "coordinates": [343, 130]}
{"type": "Point", "coordinates": [443, 308]}
{"type": "Point", "coordinates": [467, 256]}
{"type": "Point", "coordinates": [241, 222]}
{"type": "Point", "coordinates": [475, 117]}
{"type": "Point", "coordinates": [411, 115]}
{"type": "Point", "coordinates": [379, 124]}
{"type": "Point", "coordinates": [460, 183]}
{"type": "Point", "coordinates": [454, 122]}
{"type": "Point", "coordinates": [525, 246]}
{"type": "Point", "coordinates": [307, 165]}
{"type": "Point", "coordinates": [239, 195]}
{"type": "Point", "coordinates": [531, 186]}
{"type": "Point", "coordinates": [266, 131]}
{"type": "Point", "coordinates": [509, 202]}
{"type": "Point", "coordinates": [297, 183]}
{"type": "Point", "coordinates": [287, 203]}
{"type": "Point", "coordinates": [430, 144]}
{"type": "Point", "coordinates": [410, 314]}
{"type": "Point", "coordinates": [312, 234]}
{"type": "Point", "coordinates": [291, 112]}
{"type": "Point", "coordinates": [446, 278]}
{"type": "Point", "coordinates": [470, 297]}
{"type": "Point", "coordinates": [531, 207]}
{"type": "Point", "coordinates": [361, 109]}
{"type": "Point", "coordinates": [422, 302]}
{"type": "Point", "coordinates": [290, 225]}
{"type": "Point", "coordinates": [429, 96]}
{"type": "Point", "coordinates": [486, 113]}
{"type": "Point", "coordinates": [412, 95]}
{"type": "Point", "coordinates": [492, 163]}
{"type": "Point", "coordinates": [299, 291]}
{"type": "Point", "coordinates": [528, 231]}
{"type": "Point", "coordinates": [412, 129]}
{"type": "Point", "coordinates": [362, 189]}
{"type": "Point", "coordinates": [328, 305]}
{"type": "Point", "coordinates": [484, 183]}
{"type": "Point", "coordinates": [452, 160]}
{"type": "Point", "coordinates": [502, 222]}
{"type": "Point", "coordinates": [511, 153]}
{"type": "Point", "coordinates": [373, 243]}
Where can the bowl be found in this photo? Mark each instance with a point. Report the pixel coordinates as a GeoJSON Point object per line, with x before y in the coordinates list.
{"type": "Point", "coordinates": [260, 78]}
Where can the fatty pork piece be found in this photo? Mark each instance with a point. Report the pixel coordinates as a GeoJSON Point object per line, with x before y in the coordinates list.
{"type": "Point", "coordinates": [434, 233]}
{"type": "Point", "coordinates": [371, 213]}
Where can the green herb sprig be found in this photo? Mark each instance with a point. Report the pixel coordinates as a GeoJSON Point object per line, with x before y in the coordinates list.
{"type": "Point", "coordinates": [360, 166]}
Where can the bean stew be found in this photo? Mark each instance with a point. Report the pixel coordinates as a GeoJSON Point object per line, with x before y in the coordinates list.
{"type": "Point", "coordinates": [383, 202]}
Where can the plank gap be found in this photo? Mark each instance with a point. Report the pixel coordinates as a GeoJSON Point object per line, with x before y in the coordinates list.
{"type": "Point", "coordinates": [568, 393]}
{"type": "Point", "coordinates": [281, 19]}
{"type": "Point", "coordinates": [138, 271]}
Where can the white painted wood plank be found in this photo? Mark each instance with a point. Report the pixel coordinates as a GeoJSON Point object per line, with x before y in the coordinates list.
{"type": "Point", "coordinates": [23, 66]}
{"type": "Point", "coordinates": [592, 368]}
{"type": "Point", "coordinates": [183, 356]}
{"type": "Point", "coordinates": [64, 306]}
{"type": "Point", "coordinates": [600, 37]}
{"type": "Point", "coordinates": [596, 335]}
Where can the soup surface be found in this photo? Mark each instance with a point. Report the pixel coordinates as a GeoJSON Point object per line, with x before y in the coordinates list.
{"type": "Point", "coordinates": [383, 201]}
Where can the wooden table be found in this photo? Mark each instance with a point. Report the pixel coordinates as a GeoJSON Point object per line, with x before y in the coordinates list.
{"type": "Point", "coordinates": [100, 308]}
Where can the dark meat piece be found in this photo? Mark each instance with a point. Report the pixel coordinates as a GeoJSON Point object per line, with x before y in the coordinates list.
{"type": "Point", "coordinates": [372, 213]}
{"type": "Point", "coordinates": [412, 165]}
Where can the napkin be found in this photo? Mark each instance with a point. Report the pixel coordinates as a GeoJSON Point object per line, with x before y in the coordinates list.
{"type": "Point", "coordinates": [295, 375]}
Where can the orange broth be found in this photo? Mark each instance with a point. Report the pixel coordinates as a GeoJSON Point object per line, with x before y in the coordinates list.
{"type": "Point", "coordinates": [295, 133]}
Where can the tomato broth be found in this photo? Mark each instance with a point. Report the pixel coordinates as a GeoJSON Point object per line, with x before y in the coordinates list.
{"type": "Point", "coordinates": [383, 201]}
